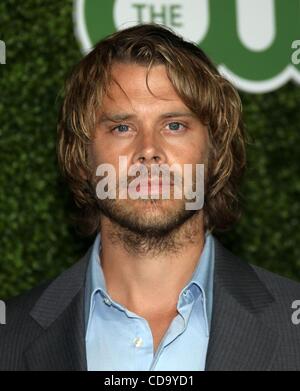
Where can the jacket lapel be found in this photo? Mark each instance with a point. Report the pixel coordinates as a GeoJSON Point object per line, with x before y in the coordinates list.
{"type": "Point", "coordinates": [60, 314]}
{"type": "Point", "coordinates": [240, 338]}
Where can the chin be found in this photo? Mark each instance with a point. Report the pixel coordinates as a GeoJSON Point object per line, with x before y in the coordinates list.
{"type": "Point", "coordinates": [146, 215]}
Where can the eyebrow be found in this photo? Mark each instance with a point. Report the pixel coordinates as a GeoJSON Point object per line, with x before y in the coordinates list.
{"type": "Point", "coordinates": [106, 117]}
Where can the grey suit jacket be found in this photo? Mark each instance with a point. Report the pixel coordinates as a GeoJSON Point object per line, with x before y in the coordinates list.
{"type": "Point", "coordinates": [251, 322]}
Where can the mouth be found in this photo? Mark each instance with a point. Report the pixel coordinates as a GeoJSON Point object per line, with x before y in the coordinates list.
{"type": "Point", "coordinates": [154, 186]}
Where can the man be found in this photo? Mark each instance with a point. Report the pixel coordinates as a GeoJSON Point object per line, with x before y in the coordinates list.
{"type": "Point", "coordinates": [157, 290]}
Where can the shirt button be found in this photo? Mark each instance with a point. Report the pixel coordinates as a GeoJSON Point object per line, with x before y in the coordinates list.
{"type": "Point", "coordinates": [107, 301]}
{"type": "Point", "coordinates": [138, 342]}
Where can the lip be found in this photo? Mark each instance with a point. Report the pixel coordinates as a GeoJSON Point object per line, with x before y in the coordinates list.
{"type": "Point", "coordinates": [155, 183]}
{"type": "Point", "coordinates": [152, 187]}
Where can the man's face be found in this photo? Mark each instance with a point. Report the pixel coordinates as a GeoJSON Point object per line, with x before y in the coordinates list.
{"type": "Point", "coordinates": [146, 129]}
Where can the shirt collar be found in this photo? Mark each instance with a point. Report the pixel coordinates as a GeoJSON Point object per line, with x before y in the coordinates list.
{"type": "Point", "coordinates": [202, 277]}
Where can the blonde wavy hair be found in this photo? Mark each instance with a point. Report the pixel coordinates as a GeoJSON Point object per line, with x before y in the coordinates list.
{"type": "Point", "coordinates": [199, 85]}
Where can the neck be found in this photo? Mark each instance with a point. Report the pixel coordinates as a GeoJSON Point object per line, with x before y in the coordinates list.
{"type": "Point", "coordinates": [148, 276]}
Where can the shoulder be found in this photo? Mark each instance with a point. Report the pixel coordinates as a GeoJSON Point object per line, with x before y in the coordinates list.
{"type": "Point", "coordinates": [237, 268]}
{"type": "Point", "coordinates": [18, 308]}
{"type": "Point", "coordinates": [273, 296]}
{"type": "Point", "coordinates": [282, 288]}
{"type": "Point", "coordinates": [53, 289]}
{"type": "Point", "coordinates": [23, 303]}
{"type": "Point", "coordinates": [27, 314]}
{"type": "Point", "coordinates": [19, 328]}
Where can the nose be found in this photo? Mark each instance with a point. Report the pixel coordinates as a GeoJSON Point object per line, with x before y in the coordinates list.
{"type": "Point", "coordinates": [149, 150]}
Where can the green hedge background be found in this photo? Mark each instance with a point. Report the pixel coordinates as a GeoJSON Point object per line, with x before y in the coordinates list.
{"type": "Point", "coordinates": [37, 239]}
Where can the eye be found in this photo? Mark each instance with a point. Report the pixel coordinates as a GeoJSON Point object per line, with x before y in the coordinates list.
{"type": "Point", "coordinates": [176, 126]}
{"type": "Point", "coordinates": [121, 128]}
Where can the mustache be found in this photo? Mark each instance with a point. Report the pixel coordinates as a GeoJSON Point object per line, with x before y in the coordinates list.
{"type": "Point", "coordinates": [176, 180]}
{"type": "Point", "coordinates": [162, 176]}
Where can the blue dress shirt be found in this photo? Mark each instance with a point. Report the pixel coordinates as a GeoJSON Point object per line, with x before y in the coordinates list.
{"type": "Point", "coordinates": [120, 340]}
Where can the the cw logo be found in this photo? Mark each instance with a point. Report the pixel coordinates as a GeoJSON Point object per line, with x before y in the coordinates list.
{"type": "Point", "coordinates": [254, 42]}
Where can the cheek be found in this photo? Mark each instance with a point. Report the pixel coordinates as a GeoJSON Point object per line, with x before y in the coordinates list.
{"type": "Point", "coordinates": [203, 146]}
{"type": "Point", "coordinates": [99, 153]}
{"type": "Point", "coordinates": [192, 153]}
{"type": "Point", "coordinates": [195, 148]}
{"type": "Point", "coordinates": [94, 155]}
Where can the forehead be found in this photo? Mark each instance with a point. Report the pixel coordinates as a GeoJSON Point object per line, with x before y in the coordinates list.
{"type": "Point", "coordinates": [129, 86]}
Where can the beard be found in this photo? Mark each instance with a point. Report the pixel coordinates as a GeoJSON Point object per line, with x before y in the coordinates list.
{"type": "Point", "coordinates": [150, 226]}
